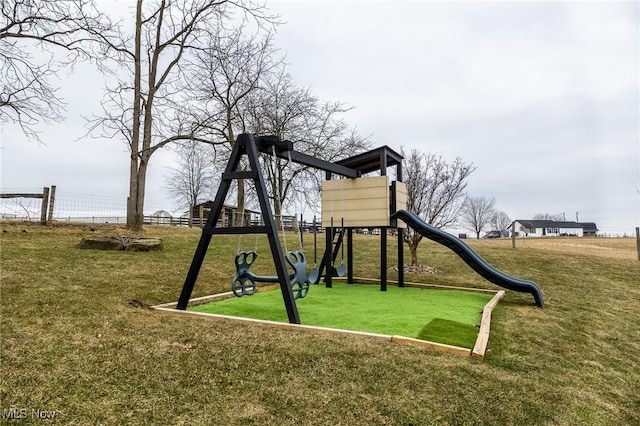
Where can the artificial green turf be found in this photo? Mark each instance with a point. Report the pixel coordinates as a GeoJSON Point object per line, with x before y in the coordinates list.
{"type": "Point", "coordinates": [457, 333]}
{"type": "Point", "coordinates": [444, 316]}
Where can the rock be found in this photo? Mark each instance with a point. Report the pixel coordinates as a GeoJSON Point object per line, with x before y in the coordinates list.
{"type": "Point", "coordinates": [136, 303]}
{"type": "Point", "coordinates": [104, 242]}
{"type": "Point", "coordinates": [113, 242]}
{"type": "Point", "coordinates": [144, 244]}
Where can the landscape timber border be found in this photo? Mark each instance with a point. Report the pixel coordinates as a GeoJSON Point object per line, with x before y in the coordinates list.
{"type": "Point", "coordinates": [477, 352]}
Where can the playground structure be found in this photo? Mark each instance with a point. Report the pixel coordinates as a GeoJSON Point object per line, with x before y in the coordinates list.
{"type": "Point", "coordinates": [348, 203]}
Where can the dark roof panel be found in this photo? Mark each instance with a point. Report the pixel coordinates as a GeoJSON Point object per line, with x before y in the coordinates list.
{"type": "Point", "coordinates": [371, 161]}
{"type": "Point", "coordinates": [532, 223]}
{"type": "Point", "coordinates": [589, 226]}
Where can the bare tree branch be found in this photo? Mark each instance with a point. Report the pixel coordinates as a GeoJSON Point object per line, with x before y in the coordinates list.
{"type": "Point", "coordinates": [148, 106]}
{"type": "Point", "coordinates": [435, 190]}
{"type": "Point", "coordinates": [500, 222]}
{"type": "Point", "coordinates": [281, 108]}
{"type": "Point", "coordinates": [38, 38]}
{"type": "Point", "coordinates": [195, 177]}
{"type": "Point", "coordinates": [477, 213]}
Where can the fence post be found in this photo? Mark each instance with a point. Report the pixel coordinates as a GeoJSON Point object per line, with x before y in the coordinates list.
{"type": "Point", "coordinates": [52, 202]}
{"type": "Point", "coordinates": [513, 235]}
{"type": "Point", "coordinates": [638, 241]}
{"type": "Point", "coordinates": [45, 203]}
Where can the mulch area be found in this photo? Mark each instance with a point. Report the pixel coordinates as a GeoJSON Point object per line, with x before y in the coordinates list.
{"type": "Point", "coordinates": [416, 269]}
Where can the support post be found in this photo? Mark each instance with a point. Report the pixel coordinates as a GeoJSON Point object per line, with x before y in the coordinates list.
{"type": "Point", "coordinates": [52, 202]}
{"type": "Point", "coordinates": [383, 259]}
{"type": "Point", "coordinates": [513, 235]}
{"type": "Point", "coordinates": [400, 257]}
{"type": "Point", "coordinates": [638, 241]}
{"type": "Point", "coordinates": [45, 203]}
{"type": "Point", "coordinates": [350, 255]}
{"type": "Point", "coordinates": [328, 257]}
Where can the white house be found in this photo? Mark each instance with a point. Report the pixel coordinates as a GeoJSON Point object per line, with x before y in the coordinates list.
{"type": "Point", "coordinates": [552, 228]}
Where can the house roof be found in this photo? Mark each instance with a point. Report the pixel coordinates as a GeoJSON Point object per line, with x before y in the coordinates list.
{"type": "Point", "coordinates": [534, 224]}
{"type": "Point", "coordinates": [589, 226]}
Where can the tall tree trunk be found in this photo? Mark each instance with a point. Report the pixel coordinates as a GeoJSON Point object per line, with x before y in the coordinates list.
{"type": "Point", "coordinates": [413, 249]}
{"type": "Point", "coordinates": [141, 179]}
{"type": "Point", "coordinates": [132, 201]}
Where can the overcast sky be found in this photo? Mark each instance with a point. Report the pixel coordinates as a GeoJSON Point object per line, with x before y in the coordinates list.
{"type": "Point", "coordinates": [543, 98]}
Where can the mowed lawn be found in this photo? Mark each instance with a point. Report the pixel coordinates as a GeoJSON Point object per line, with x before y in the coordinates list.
{"type": "Point", "coordinates": [79, 344]}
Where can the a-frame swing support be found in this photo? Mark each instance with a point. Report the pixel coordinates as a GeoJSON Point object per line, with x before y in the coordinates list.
{"type": "Point", "coordinates": [250, 145]}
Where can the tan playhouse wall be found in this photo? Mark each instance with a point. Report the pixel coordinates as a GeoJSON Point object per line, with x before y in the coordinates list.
{"type": "Point", "coordinates": [363, 202]}
{"type": "Point", "coordinates": [401, 200]}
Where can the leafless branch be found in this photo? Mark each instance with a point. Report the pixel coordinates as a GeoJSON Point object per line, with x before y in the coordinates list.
{"type": "Point", "coordinates": [37, 39]}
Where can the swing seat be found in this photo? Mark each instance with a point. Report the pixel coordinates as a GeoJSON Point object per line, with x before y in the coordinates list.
{"type": "Point", "coordinates": [337, 271]}
{"type": "Point", "coordinates": [244, 282]}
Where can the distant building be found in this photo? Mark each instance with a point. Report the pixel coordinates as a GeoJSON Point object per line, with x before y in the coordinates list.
{"type": "Point", "coordinates": [160, 217]}
{"type": "Point", "coordinates": [552, 228]}
{"type": "Point", "coordinates": [201, 212]}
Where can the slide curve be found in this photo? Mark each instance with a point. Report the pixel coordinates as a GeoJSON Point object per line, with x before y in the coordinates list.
{"type": "Point", "coordinates": [470, 257]}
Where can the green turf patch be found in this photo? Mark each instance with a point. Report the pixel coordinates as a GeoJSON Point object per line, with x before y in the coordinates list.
{"type": "Point", "coordinates": [457, 333]}
{"type": "Point", "coordinates": [444, 316]}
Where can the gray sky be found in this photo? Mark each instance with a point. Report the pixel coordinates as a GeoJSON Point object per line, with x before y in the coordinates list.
{"type": "Point", "coordinates": [543, 98]}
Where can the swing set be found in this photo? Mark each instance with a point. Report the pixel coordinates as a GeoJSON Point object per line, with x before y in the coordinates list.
{"type": "Point", "coordinates": [244, 282]}
{"type": "Point", "coordinates": [365, 202]}
{"type": "Point", "coordinates": [296, 285]}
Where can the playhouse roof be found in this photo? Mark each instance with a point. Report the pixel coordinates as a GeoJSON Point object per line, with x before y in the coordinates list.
{"type": "Point", "coordinates": [372, 161]}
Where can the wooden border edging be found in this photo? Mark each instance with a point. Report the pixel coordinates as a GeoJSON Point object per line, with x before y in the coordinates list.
{"type": "Point", "coordinates": [274, 323]}
{"type": "Point", "coordinates": [419, 285]}
{"type": "Point", "coordinates": [482, 341]}
{"type": "Point", "coordinates": [477, 352]}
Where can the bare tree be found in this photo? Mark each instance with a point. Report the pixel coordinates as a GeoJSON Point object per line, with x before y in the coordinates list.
{"type": "Point", "coordinates": [39, 38]}
{"type": "Point", "coordinates": [500, 222]}
{"type": "Point", "coordinates": [194, 177]}
{"type": "Point", "coordinates": [435, 190]}
{"type": "Point", "coordinates": [144, 107]}
{"type": "Point", "coordinates": [477, 212]}
{"type": "Point", "coordinates": [293, 113]}
{"type": "Point", "coordinates": [222, 76]}
{"type": "Point", "coordinates": [549, 216]}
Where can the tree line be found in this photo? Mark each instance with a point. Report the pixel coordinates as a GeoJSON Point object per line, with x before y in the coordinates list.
{"type": "Point", "coordinates": [187, 72]}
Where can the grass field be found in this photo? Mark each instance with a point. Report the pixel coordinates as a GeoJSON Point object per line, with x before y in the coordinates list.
{"type": "Point", "coordinates": [75, 344]}
{"type": "Point", "coordinates": [443, 316]}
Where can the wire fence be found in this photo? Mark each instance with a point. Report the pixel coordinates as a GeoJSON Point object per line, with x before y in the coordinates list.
{"type": "Point", "coordinates": [86, 208]}
{"type": "Point", "coordinates": [21, 204]}
{"type": "Point", "coordinates": [26, 205]}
